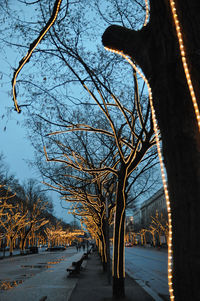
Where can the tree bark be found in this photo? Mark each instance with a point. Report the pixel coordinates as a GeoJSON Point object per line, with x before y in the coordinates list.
{"type": "Point", "coordinates": [118, 253]}
{"type": "Point", "coordinates": [103, 249]}
{"type": "Point", "coordinates": [155, 48]}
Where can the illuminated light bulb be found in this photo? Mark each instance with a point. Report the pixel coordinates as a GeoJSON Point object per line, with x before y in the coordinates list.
{"type": "Point", "coordinates": [184, 61]}
{"type": "Point", "coordinates": [187, 74]}
{"type": "Point", "coordinates": [147, 13]}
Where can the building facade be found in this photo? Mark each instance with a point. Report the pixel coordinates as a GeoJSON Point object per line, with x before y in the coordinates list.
{"type": "Point", "coordinates": [156, 203]}
{"type": "Point", "coordinates": [152, 214]}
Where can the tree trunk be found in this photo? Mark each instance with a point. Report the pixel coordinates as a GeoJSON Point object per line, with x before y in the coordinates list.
{"type": "Point", "coordinates": [155, 48]}
{"type": "Point", "coordinates": [102, 251]}
{"type": "Point", "coordinates": [104, 246]}
{"type": "Point", "coordinates": [11, 246]}
{"type": "Point", "coordinates": [118, 253]}
{"type": "Point", "coordinates": [24, 238]}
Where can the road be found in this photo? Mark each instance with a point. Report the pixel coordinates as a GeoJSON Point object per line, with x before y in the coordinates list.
{"type": "Point", "coordinates": [35, 273]}
{"type": "Point", "coordinates": [17, 251]}
{"type": "Point", "coordinates": [149, 268]}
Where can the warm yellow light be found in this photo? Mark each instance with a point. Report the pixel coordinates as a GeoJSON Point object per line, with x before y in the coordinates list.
{"type": "Point", "coordinates": [161, 163]}
{"type": "Point", "coordinates": [29, 53]}
{"type": "Point", "coordinates": [184, 61]}
{"type": "Point", "coordinates": [147, 13]}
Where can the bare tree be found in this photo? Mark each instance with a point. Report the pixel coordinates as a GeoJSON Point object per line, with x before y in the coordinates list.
{"type": "Point", "coordinates": [133, 137]}
{"type": "Point", "coordinates": [35, 220]}
{"type": "Point", "coordinates": [167, 50]}
{"type": "Point", "coordinates": [12, 222]}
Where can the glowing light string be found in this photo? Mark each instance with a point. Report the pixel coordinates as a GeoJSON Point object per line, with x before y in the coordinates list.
{"type": "Point", "coordinates": [147, 13]}
{"type": "Point", "coordinates": [184, 60]}
{"type": "Point", "coordinates": [197, 113]}
{"type": "Point", "coordinates": [31, 49]}
{"type": "Point", "coordinates": [161, 166]}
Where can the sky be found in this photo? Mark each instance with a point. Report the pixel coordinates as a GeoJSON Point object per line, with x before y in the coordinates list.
{"type": "Point", "coordinates": [14, 144]}
{"type": "Point", "coordinates": [18, 151]}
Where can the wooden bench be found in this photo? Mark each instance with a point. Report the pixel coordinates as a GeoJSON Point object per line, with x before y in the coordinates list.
{"type": "Point", "coordinates": [76, 266]}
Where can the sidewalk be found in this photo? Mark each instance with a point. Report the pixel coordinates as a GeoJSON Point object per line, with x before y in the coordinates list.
{"type": "Point", "coordinates": [93, 285]}
{"type": "Point", "coordinates": [50, 285]}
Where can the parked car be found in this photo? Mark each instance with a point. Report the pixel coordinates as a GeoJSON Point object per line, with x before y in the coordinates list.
{"type": "Point", "coordinates": [6, 248]}
{"type": "Point", "coordinates": [33, 250]}
{"type": "Point", "coordinates": [56, 248]}
{"type": "Point", "coordinates": [128, 244]}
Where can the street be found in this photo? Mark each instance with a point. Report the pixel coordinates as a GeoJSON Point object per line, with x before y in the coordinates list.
{"type": "Point", "coordinates": [31, 275]}
{"type": "Point", "coordinates": [148, 267]}
{"type": "Point", "coordinates": [17, 251]}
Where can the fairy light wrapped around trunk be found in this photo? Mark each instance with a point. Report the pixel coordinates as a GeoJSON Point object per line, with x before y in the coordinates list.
{"type": "Point", "coordinates": [170, 252]}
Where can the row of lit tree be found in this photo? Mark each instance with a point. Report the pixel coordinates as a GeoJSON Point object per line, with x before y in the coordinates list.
{"type": "Point", "coordinates": [23, 224]}
{"type": "Point", "coordinates": [167, 50]}
{"type": "Point", "coordinates": [151, 233]}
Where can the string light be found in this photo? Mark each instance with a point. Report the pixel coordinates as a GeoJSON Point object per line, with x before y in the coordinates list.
{"type": "Point", "coordinates": [170, 252]}
{"type": "Point", "coordinates": [113, 253]}
{"type": "Point", "coordinates": [32, 47]}
{"type": "Point", "coordinates": [197, 113]}
{"type": "Point", "coordinates": [184, 60]}
{"type": "Point", "coordinates": [147, 13]}
{"type": "Point", "coordinates": [120, 228]}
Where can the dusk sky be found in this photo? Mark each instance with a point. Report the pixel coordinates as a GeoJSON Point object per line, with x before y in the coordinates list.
{"type": "Point", "coordinates": [14, 144]}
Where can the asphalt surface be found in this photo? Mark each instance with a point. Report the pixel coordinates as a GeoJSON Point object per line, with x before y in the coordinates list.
{"type": "Point", "coordinates": [93, 285]}
{"type": "Point", "coordinates": [38, 277]}
{"type": "Point", "coordinates": [52, 282]}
